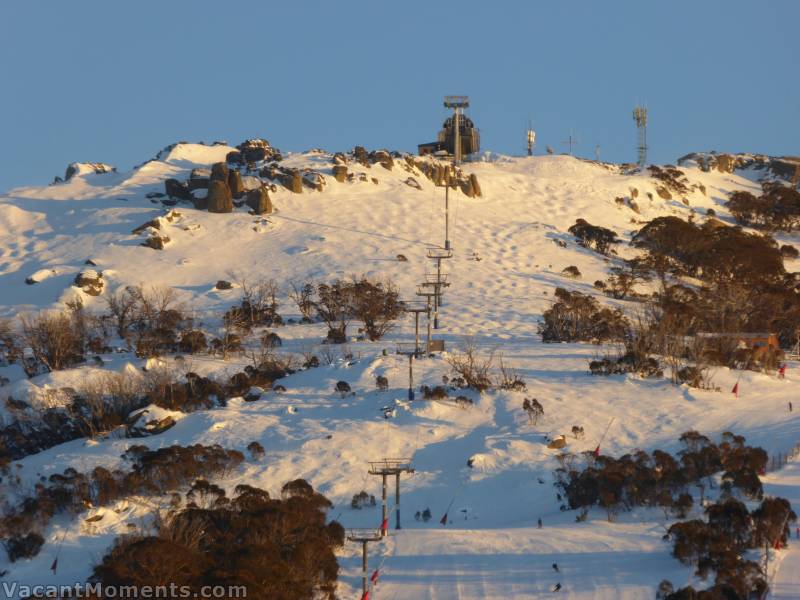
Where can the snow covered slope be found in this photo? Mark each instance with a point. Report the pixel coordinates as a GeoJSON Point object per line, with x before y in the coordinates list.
{"type": "Point", "coordinates": [510, 248]}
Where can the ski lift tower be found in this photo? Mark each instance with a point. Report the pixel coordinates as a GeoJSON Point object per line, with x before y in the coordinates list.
{"type": "Point", "coordinates": [385, 467]}
{"type": "Point", "coordinates": [448, 182]}
{"type": "Point", "coordinates": [458, 104]}
{"type": "Point", "coordinates": [438, 254]}
{"type": "Point", "coordinates": [364, 536]}
{"type": "Point", "coordinates": [416, 307]}
{"type": "Point", "coordinates": [423, 292]}
{"type": "Point", "coordinates": [409, 350]}
{"type": "Point", "coordinates": [640, 117]}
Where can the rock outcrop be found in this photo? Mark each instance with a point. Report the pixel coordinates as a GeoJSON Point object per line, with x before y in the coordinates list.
{"type": "Point", "coordinates": [219, 199]}
{"type": "Point", "coordinates": [90, 281]}
{"type": "Point", "coordinates": [178, 189]}
{"type": "Point", "coordinates": [259, 201]}
{"type": "Point", "coordinates": [235, 184]}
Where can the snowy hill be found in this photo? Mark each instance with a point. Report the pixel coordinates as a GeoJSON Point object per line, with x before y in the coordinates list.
{"type": "Point", "coordinates": [511, 246]}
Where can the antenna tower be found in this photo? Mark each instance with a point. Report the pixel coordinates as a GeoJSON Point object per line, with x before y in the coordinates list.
{"type": "Point", "coordinates": [571, 141]}
{"type": "Point", "coordinates": [640, 116]}
{"type": "Point", "coordinates": [531, 134]}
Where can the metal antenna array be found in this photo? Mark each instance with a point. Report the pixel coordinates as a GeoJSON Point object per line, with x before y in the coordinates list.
{"type": "Point", "coordinates": [570, 142]}
{"type": "Point", "coordinates": [640, 117]}
{"type": "Point", "coordinates": [364, 536]}
{"type": "Point", "coordinates": [531, 135]}
{"type": "Point", "coordinates": [384, 468]}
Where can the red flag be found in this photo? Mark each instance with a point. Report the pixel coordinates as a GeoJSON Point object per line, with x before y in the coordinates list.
{"type": "Point", "coordinates": [735, 390]}
{"type": "Point", "coordinates": [365, 596]}
{"type": "Point", "coordinates": [443, 520]}
{"type": "Point", "coordinates": [374, 577]}
{"type": "Point", "coordinates": [385, 526]}
{"type": "Point", "coordinates": [777, 544]}
{"type": "Point", "coordinates": [782, 371]}
{"type": "Point", "coordinates": [54, 566]}
{"type": "Point", "coordinates": [597, 451]}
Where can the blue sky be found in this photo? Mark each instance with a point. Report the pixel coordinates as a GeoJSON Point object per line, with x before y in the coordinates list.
{"type": "Point", "coordinates": [117, 81]}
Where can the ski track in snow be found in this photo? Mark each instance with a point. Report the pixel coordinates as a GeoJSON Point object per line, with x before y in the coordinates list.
{"type": "Point", "coordinates": [491, 548]}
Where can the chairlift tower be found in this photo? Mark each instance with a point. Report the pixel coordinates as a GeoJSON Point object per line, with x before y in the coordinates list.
{"type": "Point", "coordinates": [438, 255]}
{"type": "Point", "coordinates": [409, 350]}
{"type": "Point", "coordinates": [416, 307]}
{"type": "Point", "coordinates": [364, 536]}
{"type": "Point", "coordinates": [429, 296]}
{"type": "Point", "coordinates": [385, 467]}
{"type": "Point", "coordinates": [640, 117]}
{"type": "Point", "coordinates": [448, 182]}
{"type": "Point", "coordinates": [458, 104]}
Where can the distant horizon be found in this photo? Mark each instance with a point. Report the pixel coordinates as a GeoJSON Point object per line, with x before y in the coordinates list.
{"type": "Point", "coordinates": [714, 76]}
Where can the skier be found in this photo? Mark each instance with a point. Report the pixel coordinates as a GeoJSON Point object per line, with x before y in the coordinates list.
{"type": "Point", "coordinates": [790, 407]}
{"type": "Point", "coordinates": [539, 523]}
{"type": "Point", "coordinates": [555, 567]}
{"type": "Point", "coordinates": [782, 371]}
{"type": "Point", "coordinates": [797, 533]}
{"type": "Point", "coordinates": [557, 587]}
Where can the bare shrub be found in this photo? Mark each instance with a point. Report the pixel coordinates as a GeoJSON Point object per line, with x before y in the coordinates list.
{"type": "Point", "coordinates": [53, 338]}
{"type": "Point", "coordinates": [509, 379]}
{"type": "Point", "coordinates": [122, 306]}
{"type": "Point", "coordinates": [472, 366]}
{"type": "Point", "coordinates": [259, 303]}
{"type": "Point", "coordinates": [302, 294]}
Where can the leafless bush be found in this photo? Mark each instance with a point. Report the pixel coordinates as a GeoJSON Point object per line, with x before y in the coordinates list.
{"type": "Point", "coordinates": [122, 306]}
{"type": "Point", "coordinates": [260, 303]}
{"type": "Point", "coordinates": [107, 398]}
{"type": "Point", "coordinates": [508, 378]}
{"type": "Point", "coordinates": [473, 367]}
{"type": "Point", "coordinates": [302, 293]}
{"type": "Point", "coordinates": [9, 349]}
{"type": "Point", "coordinates": [53, 338]}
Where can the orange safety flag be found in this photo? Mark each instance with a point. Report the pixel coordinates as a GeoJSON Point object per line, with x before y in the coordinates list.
{"type": "Point", "coordinates": [385, 525]}
{"type": "Point", "coordinates": [735, 390]}
{"type": "Point", "coordinates": [374, 577]}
